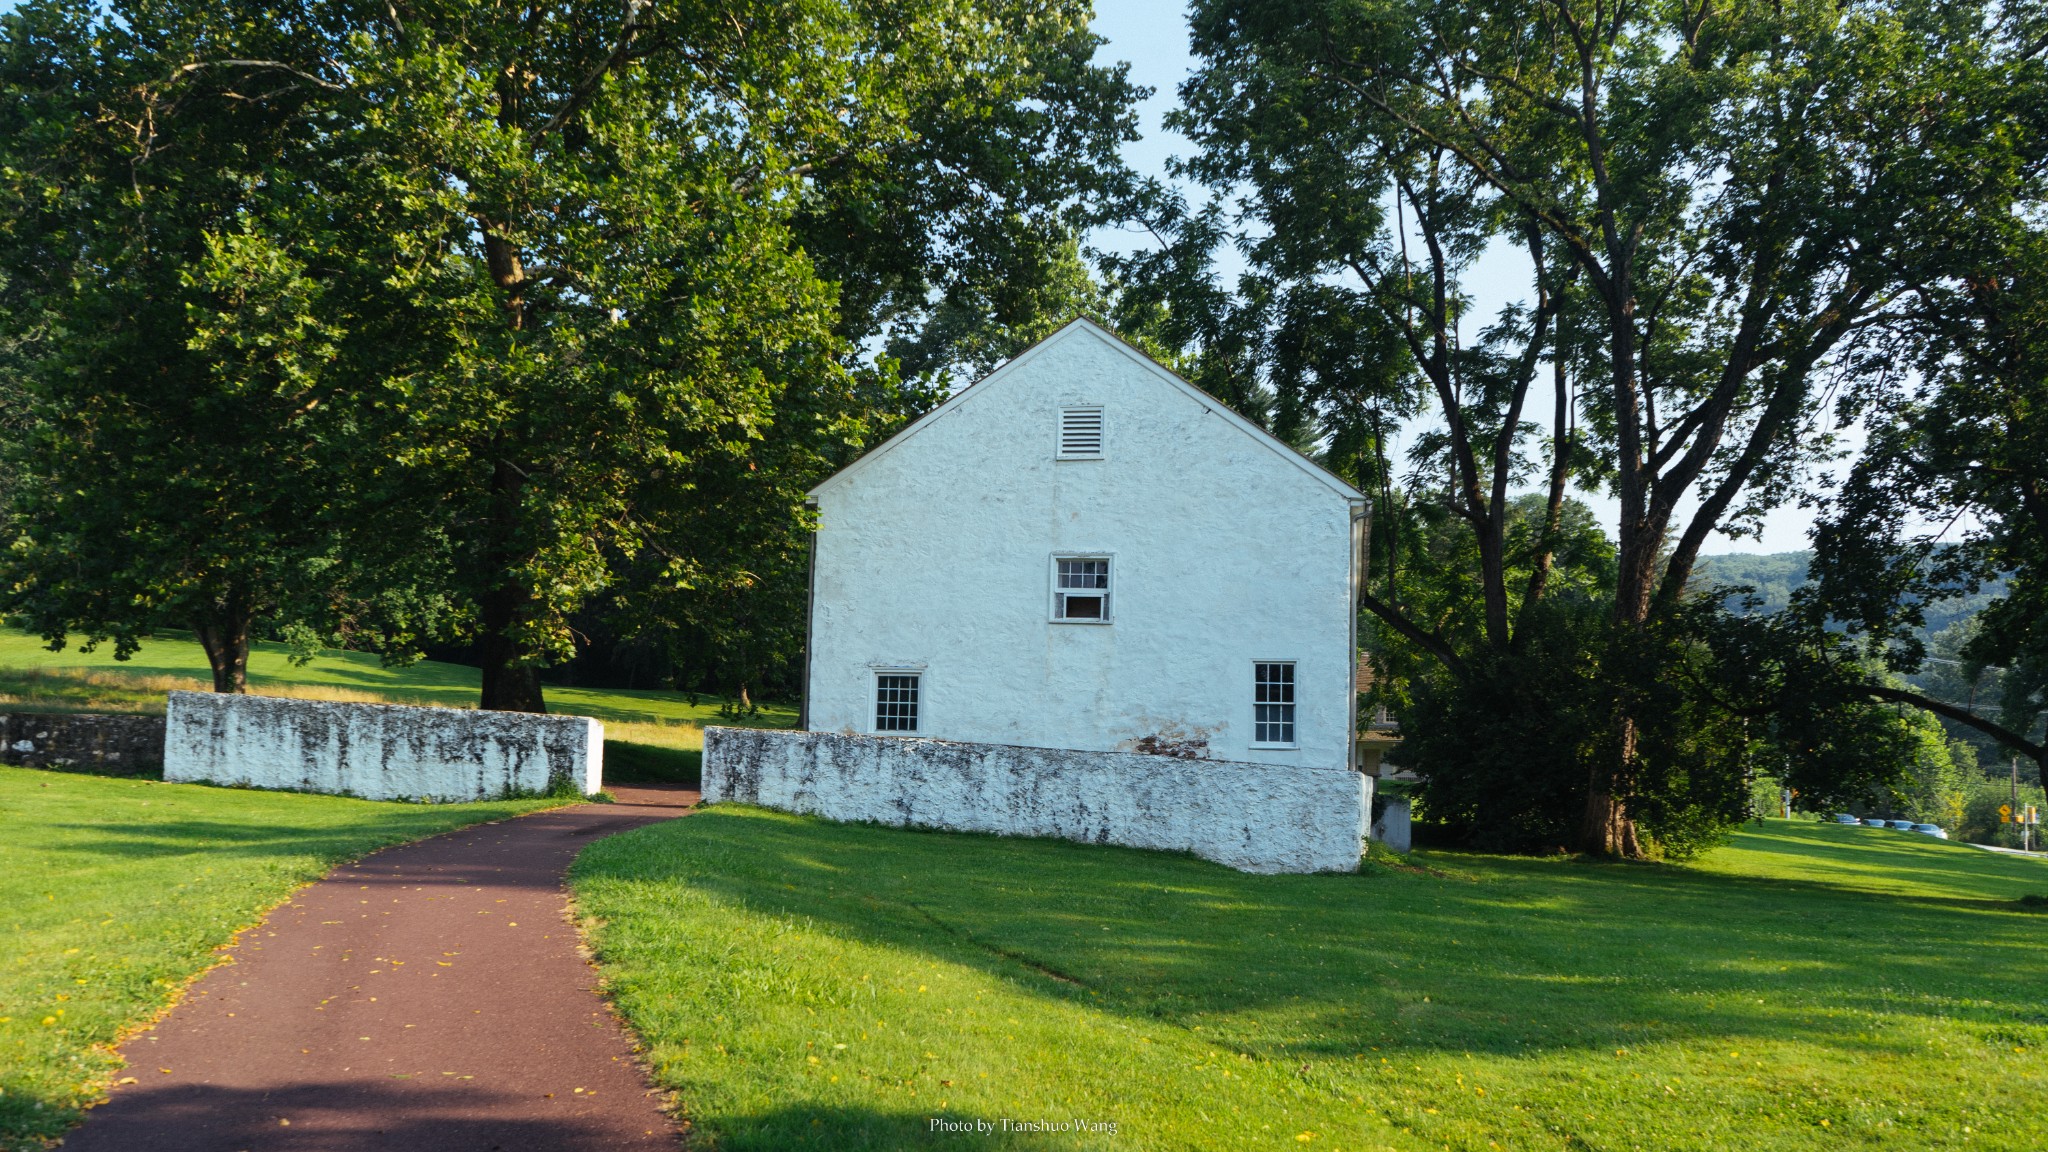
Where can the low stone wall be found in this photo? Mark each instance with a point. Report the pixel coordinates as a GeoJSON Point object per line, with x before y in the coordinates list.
{"type": "Point", "coordinates": [107, 743]}
{"type": "Point", "coordinates": [1253, 817]}
{"type": "Point", "coordinates": [377, 751]}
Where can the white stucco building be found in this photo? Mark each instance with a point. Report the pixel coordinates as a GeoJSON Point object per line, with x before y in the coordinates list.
{"type": "Point", "coordinates": [1084, 551]}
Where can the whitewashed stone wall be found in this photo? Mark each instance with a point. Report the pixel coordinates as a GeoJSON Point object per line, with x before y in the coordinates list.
{"type": "Point", "coordinates": [1253, 817]}
{"type": "Point", "coordinates": [376, 751]}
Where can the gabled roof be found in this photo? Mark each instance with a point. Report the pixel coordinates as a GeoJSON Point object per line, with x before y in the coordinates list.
{"type": "Point", "coordinates": [1085, 328]}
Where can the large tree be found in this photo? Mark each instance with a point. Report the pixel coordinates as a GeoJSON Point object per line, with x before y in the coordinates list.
{"type": "Point", "coordinates": [1951, 493]}
{"type": "Point", "coordinates": [171, 463]}
{"type": "Point", "coordinates": [584, 266]}
{"type": "Point", "coordinates": [1713, 202]}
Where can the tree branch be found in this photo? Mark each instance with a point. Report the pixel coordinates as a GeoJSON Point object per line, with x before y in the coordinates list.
{"type": "Point", "coordinates": [1429, 642]}
{"type": "Point", "coordinates": [1996, 731]}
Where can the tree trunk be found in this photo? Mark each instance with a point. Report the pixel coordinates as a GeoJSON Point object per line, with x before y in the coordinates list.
{"type": "Point", "coordinates": [1609, 830]}
{"type": "Point", "coordinates": [224, 633]}
{"type": "Point", "coordinates": [511, 682]}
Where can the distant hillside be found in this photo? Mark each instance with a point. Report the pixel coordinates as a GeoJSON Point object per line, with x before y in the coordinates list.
{"type": "Point", "coordinates": [1775, 575]}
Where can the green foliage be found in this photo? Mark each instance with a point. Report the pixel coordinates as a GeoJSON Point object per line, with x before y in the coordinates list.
{"type": "Point", "coordinates": [175, 466]}
{"type": "Point", "coordinates": [448, 322]}
{"type": "Point", "coordinates": [1503, 749]}
{"type": "Point", "coordinates": [1981, 823]}
{"type": "Point", "coordinates": [1698, 706]}
{"type": "Point", "coordinates": [1888, 984]}
{"type": "Point", "coordinates": [1945, 505]}
{"type": "Point", "coordinates": [1939, 775]}
{"type": "Point", "coordinates": [1717, 214]}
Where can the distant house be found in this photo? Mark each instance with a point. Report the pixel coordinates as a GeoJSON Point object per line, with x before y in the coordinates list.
{"type": "Point", "coordinates": [1084, 551]}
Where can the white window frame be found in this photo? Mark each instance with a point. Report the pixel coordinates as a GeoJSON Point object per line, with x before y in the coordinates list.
{"type": "Point", "coordinates": [1054, 603]}
{"type": "Point", "coordinates": [918, 712]}
{"type": "Point", "coordinates": [1059, 432]}
{"type": "Point", "coordinates": [1292, 705]}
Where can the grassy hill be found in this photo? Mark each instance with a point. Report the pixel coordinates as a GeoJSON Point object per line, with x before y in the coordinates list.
{"type": "Point", "coordinates": [807, 985]}
{"type": "Point", "coordinates": [1776, 575]}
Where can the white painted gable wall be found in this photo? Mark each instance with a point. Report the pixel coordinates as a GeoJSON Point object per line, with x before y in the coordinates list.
{"type": "Point", "coordinates": [935, 554]}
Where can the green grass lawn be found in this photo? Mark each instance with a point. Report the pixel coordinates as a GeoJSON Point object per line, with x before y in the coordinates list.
{"type": "Point", "coordinates": [115, 893]}
{"type": "Point", "coordinates": [25, 664]}
{"type": "Point", "coordinates": [811, 985]}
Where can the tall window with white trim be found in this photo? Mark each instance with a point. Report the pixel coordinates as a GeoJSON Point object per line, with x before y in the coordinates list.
{"type": "Point", "coordinates": [1081, 432]}
{"type": "Point", "coordinates": [896, 700]}
{"type": "Point", "coordinates": [1273, 704]}
{"type": "Point", "coordinates": [1080, 589]}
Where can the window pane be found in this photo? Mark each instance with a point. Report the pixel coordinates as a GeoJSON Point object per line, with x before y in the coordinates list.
{"type": "Point", "coordinates": [1084, 574]}
{"type": "Point", "coordinates": [1081, 589]}
{"type": "Point", "coordinates": [1273, 703]}
{"type": "Point", "coordinates": [896, 703]}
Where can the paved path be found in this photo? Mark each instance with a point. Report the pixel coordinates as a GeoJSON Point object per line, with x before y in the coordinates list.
{"type": "Point", "coordinates": [428, 998]}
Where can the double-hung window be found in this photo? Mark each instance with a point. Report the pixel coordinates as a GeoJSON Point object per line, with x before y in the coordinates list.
{"type": "Point", "coordinates": [1080, 589]}
{"type": "Point", "coordinates": [1273, 704]}
{"type": "Point", "coordinates": [896, 700]}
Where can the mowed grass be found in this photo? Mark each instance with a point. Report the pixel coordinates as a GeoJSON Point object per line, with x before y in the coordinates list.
{"type": "Point", "coordinates": [33, 676]}
{"type": "Point", "coordinates": [115, 893]}
{"type": "Point", "coordinates": [807, 985]}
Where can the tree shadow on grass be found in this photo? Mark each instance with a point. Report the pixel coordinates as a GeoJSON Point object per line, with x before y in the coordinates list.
{"type": "Point", "coordinates": [626, 762]}
{"type": "Point", "coordinates": [1513, 957]}
{"type": "Point", "coordinates": [343, 1116]}
{"type": "Point", "coordinates": [237, 839]}
{"type": "Point", "coordinates": [351, 1116]}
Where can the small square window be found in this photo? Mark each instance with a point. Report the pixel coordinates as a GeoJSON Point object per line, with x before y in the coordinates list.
{"type": "Point", "coordinates": [1081, 432]}
{"type": "Point", "coordinates": [896, 696]}
{"type": "Point", "coordinates": [1273, 705]}
{"type": "Point", "coordinates": [1080, 589]}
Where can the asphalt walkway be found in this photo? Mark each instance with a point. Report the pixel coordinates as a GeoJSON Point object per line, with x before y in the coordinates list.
{"type": "Point", "coordinates": [427, 997]}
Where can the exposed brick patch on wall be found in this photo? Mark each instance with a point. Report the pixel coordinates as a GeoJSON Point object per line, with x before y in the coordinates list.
{"type": "Point", "coordinates": [114, 744]}
{"type": "Point", "coordinates": [1253, 817]}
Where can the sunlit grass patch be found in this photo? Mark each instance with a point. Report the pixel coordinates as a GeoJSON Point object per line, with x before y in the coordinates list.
{"type": "Point", "coordinates": [115, 893]}
{"type": "Point", "coordinates": [810, 985]}
{"type": "Point", "coordinates": [74, 681]}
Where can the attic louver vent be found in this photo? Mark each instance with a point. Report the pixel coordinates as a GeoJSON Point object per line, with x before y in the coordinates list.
{"type": "Point", "coordinates": [1080, 432]}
